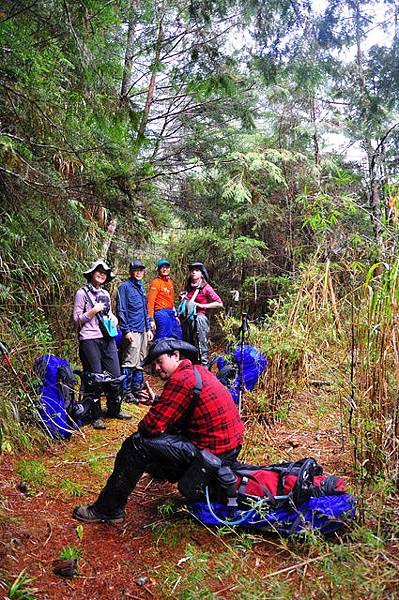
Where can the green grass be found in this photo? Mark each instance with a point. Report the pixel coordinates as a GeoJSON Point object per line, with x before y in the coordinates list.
{"type": "Point", "coordinates": [168, 508]}
{"type": "Point", "coordinates": [71, 553]}
{"type": "Point", "coordinates": [7, 519]}
{"type": "Point", "coordinates": [33, 473]}
{"type": "Point", "coordinates": [168, 533]}
{"type": "Point", "coordinates": [188, 581]}
{"type": "Point", "coordinates": [20, 588]}
{"type": "Point", "coordinates": [358, 564]}
{"type": "Point", "coordinates": [72, 488]}
{"type": "Point", "coordinates": [221, 569]}
{"type": "Point", "coordinates": [100, 466]}
{"type": "Point", "coordinates": [13, 436]}
{"type": "Point", "coordinates": [283, 412]}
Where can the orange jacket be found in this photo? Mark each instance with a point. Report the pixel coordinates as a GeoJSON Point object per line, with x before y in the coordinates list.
{"type": "Point", "coordinates": [161, 295]}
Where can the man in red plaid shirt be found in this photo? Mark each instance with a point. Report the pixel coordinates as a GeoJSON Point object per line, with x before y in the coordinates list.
{"type": "Point", "coordinates": [188, 417]}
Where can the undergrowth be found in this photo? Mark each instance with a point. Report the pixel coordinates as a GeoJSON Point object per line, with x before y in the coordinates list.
{"type": "Point", "coordinates": [354, 565]}
{"type": "Point", "coordinates": [337, 343]}
{"type": "Point", "coordinates": [71, 553]}
{"type": "Point", "coordinates": [344, 339]}
{"type": "Point", "coordinates": [72, 488]}
{"type": "Point", "coordinates": [33, 474]}
{"type": "Point", "coordinates": [44, 248]}
{"type": "Point", "coordinates": [20, 588]}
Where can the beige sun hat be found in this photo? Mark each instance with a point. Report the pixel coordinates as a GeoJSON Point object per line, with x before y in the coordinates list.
{"type": "Point", "coordinates": [99, 263]}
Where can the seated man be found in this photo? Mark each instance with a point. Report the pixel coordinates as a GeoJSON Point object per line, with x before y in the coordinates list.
{"type": "Point", "coordinates": [178, 425]}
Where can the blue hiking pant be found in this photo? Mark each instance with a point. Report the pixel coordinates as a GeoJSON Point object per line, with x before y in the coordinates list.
{"type": "Point", "coordinates": [134, 380]}
{"type": "Point", "coordinates": [167, 324]}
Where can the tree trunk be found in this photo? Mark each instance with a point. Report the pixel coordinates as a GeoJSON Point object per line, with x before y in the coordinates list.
{"type": "Point", "coordinates": [127, 77]}
{"type": "Point", "coordinates": [151, 87]}
{"type": "Point", "coordinates": [374, 194]}
{"type": "Point", "coordinates": [107, 242]}
{"type": "Point", "coordinates": [315, 133]}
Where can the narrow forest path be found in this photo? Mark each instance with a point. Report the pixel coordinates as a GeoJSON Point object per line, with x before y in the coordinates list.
{"type": "Point", "coordinates": [159, 551]}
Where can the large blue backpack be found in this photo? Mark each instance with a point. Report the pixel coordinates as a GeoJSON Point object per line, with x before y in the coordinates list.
{"type": "Point", "coordinates": [284, 498]}
{"type": "Point", "coordinates": [325, 514]}
{"type": "Point", "coordinates": [57, 397]}
{"type": "Point", "coordinates": [229, 366]}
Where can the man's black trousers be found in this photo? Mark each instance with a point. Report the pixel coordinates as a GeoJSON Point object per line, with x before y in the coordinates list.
{"type": "Point", "coordinates": [167, 456]}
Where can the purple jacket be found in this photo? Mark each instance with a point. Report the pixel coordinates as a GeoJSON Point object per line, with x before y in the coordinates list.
{"type": "Point", "coordinates": [88, 328]}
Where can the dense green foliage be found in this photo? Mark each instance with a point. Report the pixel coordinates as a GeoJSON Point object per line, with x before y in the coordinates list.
{"type": "Point", "coordinates": [201, 130]}
{"type": "Point", "coordinates": [260, 136]}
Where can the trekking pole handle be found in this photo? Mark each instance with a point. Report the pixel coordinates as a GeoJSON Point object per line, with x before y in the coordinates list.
{"type": "Point", "coordinates": [4, 352]}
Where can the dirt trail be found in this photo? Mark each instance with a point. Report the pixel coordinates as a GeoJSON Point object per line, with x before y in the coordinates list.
{"type": "Point", "coordinates": [154, 553]}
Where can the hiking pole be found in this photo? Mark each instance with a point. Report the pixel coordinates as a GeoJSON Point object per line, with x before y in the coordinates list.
{"type": "Point", "coordinates": [4, 353]}
{"type": "Point", "coordinates": [244, 332]}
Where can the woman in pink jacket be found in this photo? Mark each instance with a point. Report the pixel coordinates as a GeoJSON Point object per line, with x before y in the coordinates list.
{"type": "Point", "coordinates": [98, 351]}
{"type": "Point", "coordinates": [200, 297]}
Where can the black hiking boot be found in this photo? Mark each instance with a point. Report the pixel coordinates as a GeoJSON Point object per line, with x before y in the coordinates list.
{"type": "Point", "coordinates": [131, 398]}
{"type": "Point", "coordinates": [88, 514]}
{"type": "Point", "coordinates": [98, 424]}
{"type": "Point", "coordinates": [122, 416]}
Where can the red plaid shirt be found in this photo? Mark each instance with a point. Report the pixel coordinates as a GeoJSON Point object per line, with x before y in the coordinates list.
{"type": "Point", "coordinates": [214, 424]}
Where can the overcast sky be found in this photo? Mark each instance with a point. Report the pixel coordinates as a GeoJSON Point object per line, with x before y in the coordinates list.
{"type": "Point", "coordinates": [377, 35]}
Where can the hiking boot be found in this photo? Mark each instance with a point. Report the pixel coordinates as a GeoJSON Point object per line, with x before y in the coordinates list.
{"type": "Point", "coordinates": [122, 416]}
{"type": "Point", "coordinates": [88, 514]}
{"type": "Point", "coordinates": [130, 398]}
{"type": "Point", "coordinates": [98, 424]}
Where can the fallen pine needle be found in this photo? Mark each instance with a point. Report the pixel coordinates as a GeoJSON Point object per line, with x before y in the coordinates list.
{"type": "Point", "coordinates": [49, 535]}
{"type": "Point", "coordinates": [304, 563]}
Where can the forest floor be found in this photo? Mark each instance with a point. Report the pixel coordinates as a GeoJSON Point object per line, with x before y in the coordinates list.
{"type": "Point", "coordinates": [160, 551]}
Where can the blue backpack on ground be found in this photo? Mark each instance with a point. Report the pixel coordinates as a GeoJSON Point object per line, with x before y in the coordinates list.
{"type": "Point", "coordinates": [57, 396]}
{"type": "Point", "coordinates": [253, 365]}
{"type": "Point", "coordinates": [326, 514]}
{"type": "Point", "coordinates": [284, 498]}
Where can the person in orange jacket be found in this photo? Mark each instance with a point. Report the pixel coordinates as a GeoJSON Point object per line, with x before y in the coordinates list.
{"type": "Point", "coordinates": [161, 304]}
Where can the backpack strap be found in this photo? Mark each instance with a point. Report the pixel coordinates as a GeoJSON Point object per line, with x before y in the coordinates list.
{"type": "Point", "coordinates": [66, 384]}
{"type": "Point", "coordinates": [89, 300]}
{"type": "Point", "coordinates": [226, 376]}
{"type": "Point", "coordinates": [304, 470]}
{"type": "Point", "coordinates": [243, 487]}
{"type": "Point", "coordinates": [303, 485]}
{"type": "Point", "coordinates": [182, 309]}
{"type": "Point", "coordinates": [195, 396]}
{"type": "Point", "coordinates": [99, 318]}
